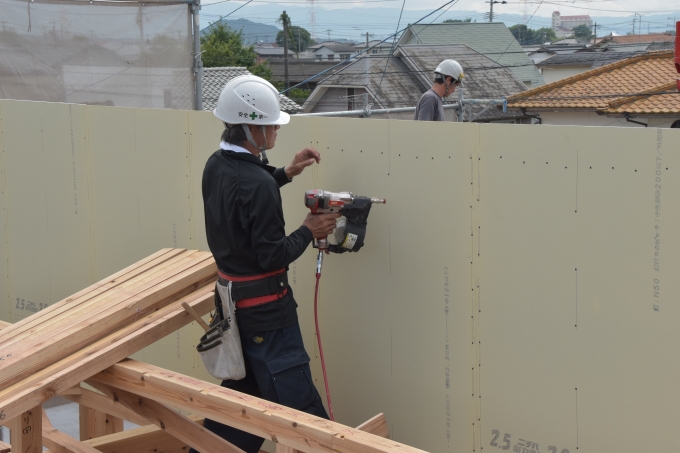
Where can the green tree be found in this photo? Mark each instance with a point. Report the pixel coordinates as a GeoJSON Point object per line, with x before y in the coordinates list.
{"type": "Point", "coordinates": [527, 36]}
{"type": "Point", "coordinates": [452, 21]}
{"type": "Point", "coordinates": [222, 46]}
{"type": "Point", "coordinates": [296, 35]}
{"type": "Point", "coordinates": [582, 32]}
{"type": "Point", "coordinates": [523, 34]}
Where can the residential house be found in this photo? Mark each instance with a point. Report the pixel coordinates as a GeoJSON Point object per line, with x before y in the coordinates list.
{"type": "Point", "coordinates": [540, 53]}
{"type": "Point", "coordinates": [334, 52]}
{"type": "Point", "coordinates": [634, 43]}
{"type": "Point", "coordinates": [300, 70]}
{"type": "Point", "coordinates": [491, 39]}
{"type": "Point", "coordinates": [214, 79]}
{"type": "Point", "coordinates": [635, 92]}
{"type": "Point", "coordinates": [271, 54]}
{"type": "Point", "coordinates": [560, 67]}
{"type": "Point", "coordinates": [400, 80]}
{"type": "Point", "coordinates": [375, 47]}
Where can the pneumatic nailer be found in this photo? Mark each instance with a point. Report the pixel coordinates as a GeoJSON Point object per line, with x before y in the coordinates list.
{"type": "Point", "coordinates": [351, 230]}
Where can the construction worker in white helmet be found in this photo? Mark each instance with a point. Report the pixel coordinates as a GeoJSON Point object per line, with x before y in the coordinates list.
{"type": "Point", "coordinates": [447, 76]}
{"type": "Point", "coordinates": [245, 232]}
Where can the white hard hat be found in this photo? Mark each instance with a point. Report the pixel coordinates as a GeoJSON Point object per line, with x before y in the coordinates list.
{"type": "Point", "coordinates": [450, 68]}
{"type": "Point", "coordinates": [249, 99]}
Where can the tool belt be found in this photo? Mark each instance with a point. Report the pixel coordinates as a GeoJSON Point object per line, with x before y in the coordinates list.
{"type": "Point", "coordinates": [256, 290]}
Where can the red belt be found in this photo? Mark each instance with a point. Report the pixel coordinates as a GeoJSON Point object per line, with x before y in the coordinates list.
{"type": "Point", "coordinates": [255, 301]}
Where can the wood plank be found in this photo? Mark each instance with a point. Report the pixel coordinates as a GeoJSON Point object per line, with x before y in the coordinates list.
{"type": "Point", "coordinates": [25, 431]}
{"type": "Point", "coordinates": [144, 439]}
{"type": "Point", "coordinates": [59, 442]}
{"type": "Point", "coordinates": [47, 319]}
{"type": "Point", "coordinates": [95, 423]}
{"type": "Point", "coordinates": [280, 448]}
{"type": "Point", "coordinates": [4, 324]}
{"type": "Point", "coordinates": [103, 403]}
{"type": "Point", "coordinates": [5, 448]}
{"type": "Point", "coordinates": [272, 421]}
{"type": "Point", "coordinates": [101, 286]}
{"type": "Point", "coordinates": [376, 425]}
{"type": "Point", "coordinates": [39, 353]}
{"type": "Point", "coordinates": [176, 424]}
{"type": "Point", "coordinates": [79, 366]}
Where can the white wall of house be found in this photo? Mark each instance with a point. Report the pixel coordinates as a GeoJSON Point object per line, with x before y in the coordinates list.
{"type": "Point", "coordinates": [559, 73]}
{"type": "Point", "coordinates": [590, 118]}
{"type": "Point", "coordinates": [324, 52]}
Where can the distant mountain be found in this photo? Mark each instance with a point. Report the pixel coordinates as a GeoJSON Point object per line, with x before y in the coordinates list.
{"type": "Point", "coordinates": [352, 24]}
{"type": "Point", "coordinates": [252, 31]}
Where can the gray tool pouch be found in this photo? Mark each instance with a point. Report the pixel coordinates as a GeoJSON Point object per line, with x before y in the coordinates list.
{"type": "Point", "coordinates": [220, 347]}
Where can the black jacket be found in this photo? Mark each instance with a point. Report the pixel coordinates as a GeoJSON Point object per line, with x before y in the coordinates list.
{"type": "Point", "coordinates": [245, 228]}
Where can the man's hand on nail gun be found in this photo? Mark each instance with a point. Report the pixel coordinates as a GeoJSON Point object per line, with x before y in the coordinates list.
{"type": "Point", "coordinates": [321, 225]}
{"type": "Point", "coordinates": [303, 159]}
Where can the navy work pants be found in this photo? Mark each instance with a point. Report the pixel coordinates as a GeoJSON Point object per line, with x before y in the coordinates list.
{"type": "Point", "coordinates": [277, 369]}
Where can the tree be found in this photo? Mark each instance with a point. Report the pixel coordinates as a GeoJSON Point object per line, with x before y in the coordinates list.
{"type": "Point", "coordinates": [222, 46]}
{"type": "Point", "coordinates": [296, 36]}
{"type": "Point", "coordinates": [452, 21]}
{"type": "Point", "coordinates": [582, 32]}
{"type": "Point", "coordinates": [527, 36]}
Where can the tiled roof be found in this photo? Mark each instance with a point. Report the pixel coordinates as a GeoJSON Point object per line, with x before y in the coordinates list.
{"type": "Point", "coordinates": [663, 45]}
{"type": "Point", "coordinates": [214, 80]}
{"type": "Point", "coordinates": [655, 104]}
{"type": "Point", "coordinates": [612, 86]}
{"type": "Point", "coordinates": [585, 59]}
{"type": "Point", "coordinates": [653, 37]}
{"type": "Point", "coordinates": [338, 47]}
{"type": "Point", "coordinates": [300, 70]}
{"type": "Point", "coordinates": [491, 39]}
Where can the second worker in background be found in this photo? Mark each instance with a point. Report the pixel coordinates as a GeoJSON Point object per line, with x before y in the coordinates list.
{"type": "Point", "coordinates": [447, 77]}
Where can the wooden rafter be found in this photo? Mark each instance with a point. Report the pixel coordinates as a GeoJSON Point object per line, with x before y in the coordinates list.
{"type": "Point", "coordinates": [281, 424]}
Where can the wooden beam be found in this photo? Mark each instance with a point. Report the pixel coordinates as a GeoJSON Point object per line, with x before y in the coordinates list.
{"type": "Point", "coordinates": [59, 442]}
{"type": "Point", "coordinates": [376, 425]}
{"type": "Point", "coordinates": [144, 439]}
{"type": "Point", "coordinates": [25, 432]}
{"type": "Point", "coordinates": [90, 360]}
{"type": "Point", "coordinates": [5, 448]}
{"type": "Point", "coordinates": [94, 423]}
{"type": "Point", "coordinates": [3, 325]}
{"type": "Point", "coordinates": [176, 424]}
{"type": "Point", "coordinates": [105, 404]}
{"type": "Point", "coordinates": [272, 421]}
{"type": "Point", "coordinates": [86, 326]}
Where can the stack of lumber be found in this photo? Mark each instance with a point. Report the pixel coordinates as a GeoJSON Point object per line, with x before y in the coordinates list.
{"type": "Point", "coordinates": [58, 347]}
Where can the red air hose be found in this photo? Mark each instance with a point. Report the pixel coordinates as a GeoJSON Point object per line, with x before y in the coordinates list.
{"type": "Point", "coordinates": [318, 339]}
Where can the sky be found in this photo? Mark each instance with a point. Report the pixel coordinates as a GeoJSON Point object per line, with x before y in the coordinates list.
{"type": "Point", "coordinates": [350, 18]}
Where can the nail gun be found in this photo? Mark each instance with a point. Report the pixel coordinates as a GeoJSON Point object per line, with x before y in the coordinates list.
{"type": "Point", "coordinates": [349, 236]}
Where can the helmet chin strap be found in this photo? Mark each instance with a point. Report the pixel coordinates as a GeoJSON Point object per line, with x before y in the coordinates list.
{"type": "Point", "coordinates": [262, 148]}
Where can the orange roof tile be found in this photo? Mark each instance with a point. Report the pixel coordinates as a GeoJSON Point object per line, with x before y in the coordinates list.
{"type": "Point", "coordinates": [667, 101]}
{"type": "Point", "coordinates": [602, 87]}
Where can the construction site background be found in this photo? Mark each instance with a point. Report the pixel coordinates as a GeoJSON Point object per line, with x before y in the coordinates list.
{"type": "Point", "coordinates": [516, 292]}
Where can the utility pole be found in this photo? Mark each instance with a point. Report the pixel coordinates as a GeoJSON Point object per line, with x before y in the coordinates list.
{"type": "Point", "coordinates": [367, 40]}
{"type": "Point", "coordinates": [284, 16]}
{"type": "Point", "coordinates": [491, 11]}
{"type": "Point", "coordinates": [329, 33]}
{"type": "Point", "coordinates": [595, 34]}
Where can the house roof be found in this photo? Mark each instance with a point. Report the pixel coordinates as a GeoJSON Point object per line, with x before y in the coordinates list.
{"type": "Point", "coordinates": [584, 59]}
{"type": "Point", "coordinates": [214, 80]}
{"type": "Point", "coordinates": [299, 70]}
{"type": "Point", "coordinates": [376, 42]}
{"type": "Point", "coordinates": [632, 83]}
{"type": "Point", "coordinates": [338, 48]}
{"type": "Point", "coordinates": [273, 51]}
{"type": "Point", "coordinates": [662, 45]}
{"type": "Point", "coordinates": [628, 39]}
{"type": "Point", "coordinates": [491, 39]}
{"type": "Point", "coordinates": [410, 72]}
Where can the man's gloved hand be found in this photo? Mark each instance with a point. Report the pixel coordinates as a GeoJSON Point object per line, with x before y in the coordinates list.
{"type": "Point", "coordinates": [321, 225]}
{"type": "Point", "coordinates": [303, 159]}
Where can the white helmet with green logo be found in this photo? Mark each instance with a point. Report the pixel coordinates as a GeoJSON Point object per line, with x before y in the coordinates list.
{"type": "Point", "coordinates": [249, 99]}
{"type": "Point", "coordinates": [451, 68]}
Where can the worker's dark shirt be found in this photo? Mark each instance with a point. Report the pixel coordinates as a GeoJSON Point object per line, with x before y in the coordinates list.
{"type": "Point", "coordinates": [245, 229]}
{"type": "Point", "coordinates": [430, 107]}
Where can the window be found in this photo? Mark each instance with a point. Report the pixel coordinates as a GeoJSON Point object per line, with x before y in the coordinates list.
{"type": "Point", "coordinates": [344, 56]}
{"type": "Point", "coordinates": [350, 98]}
{"type": "Point", "coordinates": [331, 57]}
